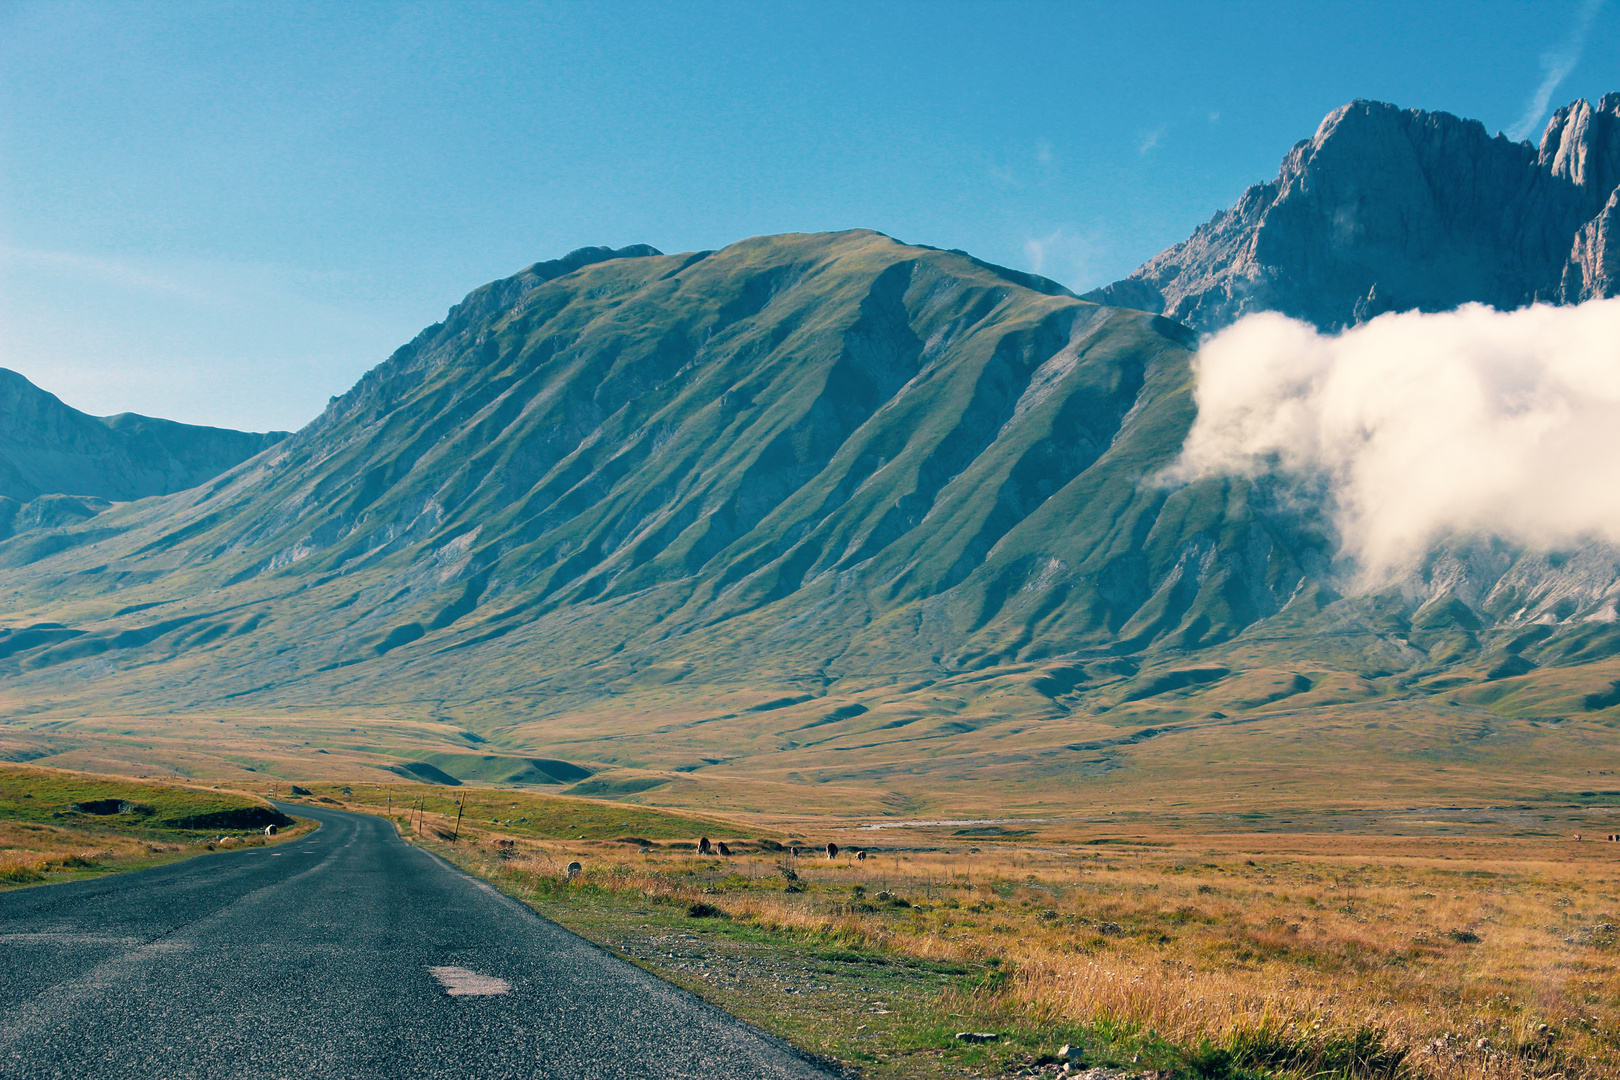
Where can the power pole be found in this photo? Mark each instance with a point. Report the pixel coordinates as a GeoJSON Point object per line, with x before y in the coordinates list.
{"type": "Point", "coordinates": [460, 805]}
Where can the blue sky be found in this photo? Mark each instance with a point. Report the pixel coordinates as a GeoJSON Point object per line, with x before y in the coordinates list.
{"type": "Point", "coordinates": [226, 212]}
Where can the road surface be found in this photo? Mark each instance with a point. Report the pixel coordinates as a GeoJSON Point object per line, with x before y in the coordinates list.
{"type": "Point", "coordinates": [347, 953]}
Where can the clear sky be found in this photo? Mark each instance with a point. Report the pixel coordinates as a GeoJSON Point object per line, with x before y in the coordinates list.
{"type": "Point", "coordinates": [225, 212]}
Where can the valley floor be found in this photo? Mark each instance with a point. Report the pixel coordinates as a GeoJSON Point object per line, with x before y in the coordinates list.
{"type": "Point", "coordinates": [1440, 946]}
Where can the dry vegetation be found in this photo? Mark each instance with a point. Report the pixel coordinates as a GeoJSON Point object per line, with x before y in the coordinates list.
{"type": "Point", "coordinates": [1195, 961]}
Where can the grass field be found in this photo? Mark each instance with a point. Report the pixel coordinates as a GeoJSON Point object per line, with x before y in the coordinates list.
{"type": "Point", "coordinates": [59, 826]}
{"type": "Point", "coordinates": [1474, 943]}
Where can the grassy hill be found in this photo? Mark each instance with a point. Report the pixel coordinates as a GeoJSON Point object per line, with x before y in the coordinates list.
{"type": "Point", "coordinates": [825, 509]}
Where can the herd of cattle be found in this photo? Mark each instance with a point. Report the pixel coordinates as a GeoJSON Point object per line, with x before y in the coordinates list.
{"type": "Point", "coordinates": [720, 848]}
{"type": "Point", "coordinates": [708, 847]}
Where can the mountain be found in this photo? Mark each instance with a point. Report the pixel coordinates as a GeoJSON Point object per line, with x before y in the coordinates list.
{"type": "Point", "coordinates": [824, 505]}
{"type": "Point", "coordinates": [1386, 209]}
{"type": "Point", "coordinates": [869, 453]}
{"type": "Point", "coordinates": [59, 465]}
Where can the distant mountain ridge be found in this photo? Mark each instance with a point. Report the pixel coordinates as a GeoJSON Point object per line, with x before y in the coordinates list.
{"type": "Point", "coordinates": [1386, 209]}
{"type": "Point", "coordinates": [48, 448]}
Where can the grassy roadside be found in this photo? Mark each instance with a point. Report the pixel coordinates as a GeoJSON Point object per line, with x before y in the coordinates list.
{"type": "Point", "coordinates": [884, 979]}
{"type": "Point", "coordinates": [60, 826]}
{"type": "Point", "coordinates": [1167, 955]}
{"type": "Point", "coordinates": [825, 989]}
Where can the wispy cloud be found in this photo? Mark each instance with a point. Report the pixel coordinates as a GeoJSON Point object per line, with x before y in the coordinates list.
{"type": "Point", "coordinates": [1061, 254]}
{"type": "Point", "coordinates": [111, 271]}
{"type": "Point", "coordinates": [213, 341]}
{"type": "Point", "coordinates": [1556, 65]}
{"type": "Point", "coordinates": [1150, 140]}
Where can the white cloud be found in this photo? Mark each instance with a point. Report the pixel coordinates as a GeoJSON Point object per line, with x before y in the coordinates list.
{"type": "Point", "coordinates": [1474, 422]}
{"type": "Point", "coordinates": [1555, 67]}
{"type": "Point", "coordinates": [1149, 140]}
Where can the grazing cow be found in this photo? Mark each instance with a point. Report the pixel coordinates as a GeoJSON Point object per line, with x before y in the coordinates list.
{"type": "Point", "coordinates": [270, 830]}
{"type": "Point", "coordinates": [704, 848]}
{"type": "Point", "coordinates": [574, 870]}
{"type": "Point", "coordinates": [721, 847]}
{"type": "Point", "coordinates": [832, 851]}
{"type": "Point", "coordinates": [861, 855]}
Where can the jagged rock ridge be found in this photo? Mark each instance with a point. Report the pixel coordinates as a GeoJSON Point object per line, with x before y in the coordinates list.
{"type": "Point", "coordinates": [1385, 209]}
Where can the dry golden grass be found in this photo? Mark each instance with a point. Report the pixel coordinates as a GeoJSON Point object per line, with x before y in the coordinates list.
{"type": "Point", "coordinates": [35, 854]}
{"type": "Point", "coordinates": [1497, 965]}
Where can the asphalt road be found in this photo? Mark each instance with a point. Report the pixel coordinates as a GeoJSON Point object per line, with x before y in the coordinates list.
{"type": "Point", "coordinates": [336, 956]}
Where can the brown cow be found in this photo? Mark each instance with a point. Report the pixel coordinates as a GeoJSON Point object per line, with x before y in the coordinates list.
{"type": "Point", "coordinates": [832, 851]}
{"type": "Point", "coordinates": [861, 855]}
{"type": "Point", "coordinates": [704, 848]}
{"type": "Point", "coordinates": [723, 849]}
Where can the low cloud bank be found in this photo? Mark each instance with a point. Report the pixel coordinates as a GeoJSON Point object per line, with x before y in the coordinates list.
{"type": "Point", "coordinates": [1471, 421]}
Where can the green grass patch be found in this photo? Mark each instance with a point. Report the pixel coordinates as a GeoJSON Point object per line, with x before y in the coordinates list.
{"type": "Point", "coordinates": [120, 804]}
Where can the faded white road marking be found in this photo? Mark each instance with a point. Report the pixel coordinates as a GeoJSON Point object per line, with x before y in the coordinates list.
{"type": "Point", "coordinates": [459, 982]}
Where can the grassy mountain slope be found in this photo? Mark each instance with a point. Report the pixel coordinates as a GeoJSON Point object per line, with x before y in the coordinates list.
{"type": "Point", "coordinates": [808, 495]}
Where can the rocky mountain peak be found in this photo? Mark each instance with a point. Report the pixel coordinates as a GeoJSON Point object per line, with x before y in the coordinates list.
{"type": "Point", "coordinates": [1387, 209]}
{"type": "Point", "coordinates": [1582, 145]}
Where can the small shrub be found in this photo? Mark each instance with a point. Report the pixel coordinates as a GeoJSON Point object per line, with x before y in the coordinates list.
{"type": "Point", "coordinates": [18, 874]}
{"type": "Point", "coordinates": [1464, 937]}
{"type": "Point", "coordinates": [700, 910]}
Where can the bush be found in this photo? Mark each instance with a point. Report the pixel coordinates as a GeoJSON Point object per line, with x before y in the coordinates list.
{"type": "Point", "coordinates": [700, 910]}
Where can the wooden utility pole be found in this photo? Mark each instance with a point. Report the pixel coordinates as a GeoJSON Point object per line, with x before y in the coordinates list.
{"type": "Point", "coordinates": [460, 805]}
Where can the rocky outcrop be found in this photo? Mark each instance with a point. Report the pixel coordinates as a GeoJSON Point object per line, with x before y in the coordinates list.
{"type": "Point", "coordinates": [1386, 209]}
{"type": "Point", "coordinates": [48, 449]}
